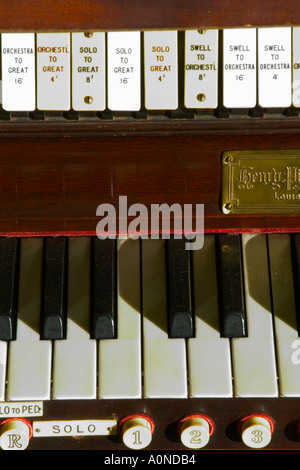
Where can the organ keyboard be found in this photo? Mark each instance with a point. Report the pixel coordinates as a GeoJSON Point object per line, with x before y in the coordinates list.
{"type": "Point", "coordinates": [117, 344]}
{"type": "Point", "coordinates": [145, 360]}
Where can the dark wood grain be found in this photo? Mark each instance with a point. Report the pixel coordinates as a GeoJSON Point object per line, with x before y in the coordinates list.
{"type": "Point", "coordinates": [54, 177]}
{"type": "Point", "coordinates": [87, 15]}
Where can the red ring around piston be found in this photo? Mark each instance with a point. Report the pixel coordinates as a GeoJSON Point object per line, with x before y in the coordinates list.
{"type": "Point", "coordinates": [197, 415]}
{"type": "Point", "coordinates": [8, 420]}
{"type": "Point", "coordinates": [136, 415]}
{"type": "Point", "coordinates": [298, 426]}
{"type": "Point", "coordinates": [256, 415]}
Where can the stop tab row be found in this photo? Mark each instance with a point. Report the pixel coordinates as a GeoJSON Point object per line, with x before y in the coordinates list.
{"type": "Point", "coordinates": [125, 71]}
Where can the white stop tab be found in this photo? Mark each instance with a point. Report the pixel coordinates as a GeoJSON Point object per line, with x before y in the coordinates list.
{"type": "Point", "coordinates": [88, 71]}
{"type": "Point", "coordinates": [274, 67]}
{"type": "Point", "coordinates": [53, 71]}
{"type": "Point", "coordinates": [239, 68]}
{"type": "Point", "coordinates": [18, 71]}
{"type": "Point", "coordinates": [124, 70]}
{"type": "Point", "coordinates": [161, 70]}
{"type": "Point", "coordinates": [201, 69]}
{"type": "Point", "coordinates": [296, 67]}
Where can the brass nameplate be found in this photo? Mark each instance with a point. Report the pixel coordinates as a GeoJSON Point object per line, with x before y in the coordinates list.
{"type": "Point", "coordinates": [261, 182]}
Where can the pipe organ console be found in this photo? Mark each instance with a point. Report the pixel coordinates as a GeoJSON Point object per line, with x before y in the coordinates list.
{"type": "Point", "coordinates": [111, 341]}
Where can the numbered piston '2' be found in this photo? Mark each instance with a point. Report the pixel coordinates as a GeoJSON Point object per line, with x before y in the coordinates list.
{"type": "Point", "coordinates": [195, 430]}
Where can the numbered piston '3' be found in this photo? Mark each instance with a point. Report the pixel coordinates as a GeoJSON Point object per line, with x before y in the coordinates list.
{"type": "Point", "coordinates": [256, 430]}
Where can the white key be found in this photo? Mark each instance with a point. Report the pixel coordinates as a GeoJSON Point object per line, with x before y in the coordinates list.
{"type": "Point", "coordinates": [74, 359]}
{"type": "Point", "coordinates": [161, 70]}
{"type": "Point", "coordinates": [239, 68]}
{"type": "Point", "coordinates": [124, 71]}
{"type": "Point", "coordinates": [53, 71]}
{"type": "Point", "coordinates": [18, 71]}
{"type": "Point", "coordinates": [201, 69]}
{"type": "Point", "coordinates": [253, 357]}
{"type": "Point", "coordinates": [88, 71]}
{"type": "Point", "coordinates": [209, 362]}
{"type": "Point", "coordinates": [287, 339]}
{"type": "Point", "coordinates": [3, 363]}
{"type": "Point", "coordinates": [296, 67]}
{"type": "Point", "coordinates": [120, 359]}
{"type": "Point", "coordinates": [274, 67]}
{"type": "Point", "coordinates": [165, 374]}
{"type": "Point", "coordinates": [29, 364]}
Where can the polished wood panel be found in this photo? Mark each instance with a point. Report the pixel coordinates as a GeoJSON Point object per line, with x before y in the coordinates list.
{"type": "Point", "coordinates": [54, 176]}
{"type": "Point", "coordinates": [87, 15]}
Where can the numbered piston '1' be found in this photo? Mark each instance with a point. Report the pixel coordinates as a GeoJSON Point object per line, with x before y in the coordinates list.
{"type": "Point", "coordinates": [195, 430]}
{"type": "Point", "coordinates": [136, 431]}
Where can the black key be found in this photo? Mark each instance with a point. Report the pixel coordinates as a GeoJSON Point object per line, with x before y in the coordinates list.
{"type": "Point", "coordinates": [295, 245]}
{"type": "Point", "coordinates": [231, 286]}
{"type": "Point", "coordinates": [54, 289]}
{"type": "Point", "coordinates": [9, 286]}
{"type": "Point", "coordinates": [179, 290]}
{"type": "Point", "coordinates": [103, 289]}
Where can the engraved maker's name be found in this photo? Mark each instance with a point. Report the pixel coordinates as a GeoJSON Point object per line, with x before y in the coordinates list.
{"type": "Point", "coordinates": [287, 179]}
